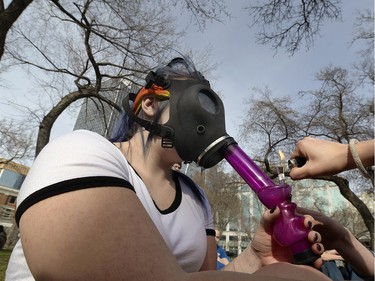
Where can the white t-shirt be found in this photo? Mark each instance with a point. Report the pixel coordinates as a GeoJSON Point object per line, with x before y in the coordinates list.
{"type": "Point", "coordinates": [84, 159]}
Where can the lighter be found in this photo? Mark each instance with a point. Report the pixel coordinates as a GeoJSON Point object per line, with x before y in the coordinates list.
{"type": "Point", "coordinates": [296, 162]}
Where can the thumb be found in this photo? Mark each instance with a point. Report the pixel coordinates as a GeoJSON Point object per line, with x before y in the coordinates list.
{"type": "Point", "coordinates": [298, 173]}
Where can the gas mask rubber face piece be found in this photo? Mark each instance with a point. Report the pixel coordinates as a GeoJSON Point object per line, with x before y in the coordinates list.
{"type": "Point", "coordinates": [198, 120]}
{"type": "Point", "coordinates": [196, 124]}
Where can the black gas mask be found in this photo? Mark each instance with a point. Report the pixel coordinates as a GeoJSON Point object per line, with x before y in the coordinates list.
{"type": "Point", "coordinates": [196, 125]}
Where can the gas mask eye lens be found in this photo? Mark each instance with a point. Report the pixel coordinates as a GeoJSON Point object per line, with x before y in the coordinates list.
{"type": "Point", "coordinates": [207, 101]}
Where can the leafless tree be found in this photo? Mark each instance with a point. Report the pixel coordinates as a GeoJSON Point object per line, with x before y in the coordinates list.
{"type": "Point", "coordinates": [338, 111]}
{"type": "Point", "coordinates": [222, 193]}
{"type": "Point", "coordinates": [346, 214]}
{"type": "Point", "coordinates": [15, 143]}
{"type": "Point", "coordinates": [289, 24]}
{"type": "Point", "coordinates": [200, 12]}
{"type": "Point", "coordinates": [8, 16]}
{"type": "Point", "coordinates": [364, 33]}
{"type": "Point", "coordinates": [271, 123]}
{"type": "Point", "coordinates": [70, 48]}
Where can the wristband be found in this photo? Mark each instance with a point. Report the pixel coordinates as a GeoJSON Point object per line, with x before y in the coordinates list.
{"type": "Point", "coordinates": [357, 160]}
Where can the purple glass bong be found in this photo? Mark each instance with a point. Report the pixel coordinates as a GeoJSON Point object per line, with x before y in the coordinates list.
{"type": "Point", "coordinates": [289, 230]}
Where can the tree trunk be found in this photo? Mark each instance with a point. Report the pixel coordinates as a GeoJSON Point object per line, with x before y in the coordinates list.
{"type": "Point", "coordinates": [8, 17]}
{"type": "Point", "coordinates": [45, 126]}
{"type": "Point", "coordinates": [343, 185]}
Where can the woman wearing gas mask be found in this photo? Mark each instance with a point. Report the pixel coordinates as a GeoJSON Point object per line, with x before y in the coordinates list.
{"type": "Point", "coordinates": [91, 209]}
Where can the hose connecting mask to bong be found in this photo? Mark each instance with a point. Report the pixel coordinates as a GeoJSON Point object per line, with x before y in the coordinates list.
{"type": "Point", "coordinates": [196, 128]}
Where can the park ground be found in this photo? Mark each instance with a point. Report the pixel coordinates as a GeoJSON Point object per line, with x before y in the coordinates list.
{"type": "Point", "coordinates": [4, 258]}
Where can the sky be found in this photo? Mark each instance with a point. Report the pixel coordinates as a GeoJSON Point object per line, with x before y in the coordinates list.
{"type": "Point", "coordinates": [244, 64]}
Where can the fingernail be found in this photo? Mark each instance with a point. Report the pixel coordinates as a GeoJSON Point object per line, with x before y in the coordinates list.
{"type": "Point", "coordinates": [310, 224]}
{"type": "Point", "coordinates": [316, 237]}
{"type": "Point", "coordinates": [272, 210]}
{"type": "Point", "coordinates": [319, 247]}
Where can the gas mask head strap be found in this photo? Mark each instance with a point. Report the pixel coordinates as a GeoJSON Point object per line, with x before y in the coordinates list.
{"type": "Point", "coordinates": [152, 127]}
{"type": "Point", "coordinates": [153, 78]}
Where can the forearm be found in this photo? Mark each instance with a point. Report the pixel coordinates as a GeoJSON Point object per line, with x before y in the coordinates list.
{"type": "Point", "coordinates": [274, 272]}
{"type": "Point", "coordinates": [344, 159]}
{"type": "Point", "coordinates": [246, 262]}
{"type": "Point", "coordinates": [357, 255]}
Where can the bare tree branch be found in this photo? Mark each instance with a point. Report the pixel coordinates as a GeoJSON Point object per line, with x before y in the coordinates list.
{"type": "Point", "coordinates": [289, 24]}
{"type": "Point", "coordinates": [8, 17]}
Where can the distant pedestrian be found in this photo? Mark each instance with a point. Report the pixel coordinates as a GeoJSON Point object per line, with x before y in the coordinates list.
{"type": "Point", "coordinates": [3, 237]}
{"type": "Point", "coordinates": [222, 257]}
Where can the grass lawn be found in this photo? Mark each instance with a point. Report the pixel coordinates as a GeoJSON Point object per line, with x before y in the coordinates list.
{"type": "Point", "coordinates": [4, 257]}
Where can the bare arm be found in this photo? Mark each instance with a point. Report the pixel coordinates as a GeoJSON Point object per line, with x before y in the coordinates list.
{"type": "Point", "coordinates": [76, 236]}
{"type": "Point", "coordinates": [329, 158]}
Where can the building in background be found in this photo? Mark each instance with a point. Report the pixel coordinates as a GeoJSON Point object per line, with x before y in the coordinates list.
{"type": "Point", "coordinates": [12, 176]}
{"type": "Point", "coordinates": [98, 116]}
